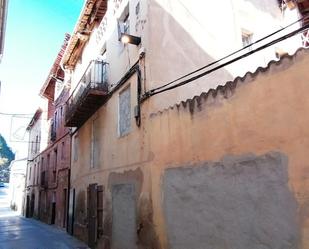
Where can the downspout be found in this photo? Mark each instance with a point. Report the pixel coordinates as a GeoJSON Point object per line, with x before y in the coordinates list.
{"type": "Point", "coordinates": [69, 188]}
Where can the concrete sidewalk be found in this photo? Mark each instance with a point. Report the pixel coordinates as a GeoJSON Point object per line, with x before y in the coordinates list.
{"type": "Point", "coordinates": [17, 232]}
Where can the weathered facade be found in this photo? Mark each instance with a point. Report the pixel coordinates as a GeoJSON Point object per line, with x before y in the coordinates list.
{"type": "Point", "coordinates": [227, 166]}
{"type": "Point", "coordinates": [37, 143]}
{"type": "Point", "coordinates": [239, 172]}
{"type": "Point", "coordinates": [55, 169]}
{"type": "Point", "coordinates": [148, 175]}
{"type": "Point", "coordinates": [52, 175]}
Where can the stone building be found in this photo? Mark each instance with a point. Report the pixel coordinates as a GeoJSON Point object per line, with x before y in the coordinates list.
{"type": "Point", "coordinates": [134, 150]}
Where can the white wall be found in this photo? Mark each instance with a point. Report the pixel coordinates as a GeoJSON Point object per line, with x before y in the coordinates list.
{"type": "Point", "coordinates": [190, 34]}
{"type": "Point", "coordinates": [17, 184]}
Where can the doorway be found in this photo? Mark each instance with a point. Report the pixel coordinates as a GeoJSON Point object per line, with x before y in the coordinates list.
{"type": "Point", "coordinates": [95, 213]}
{"type": "Point", "coordinates": [64, 218]}
{"type": "Point", "coordinates": [71, 211]}
{"type": "Point", "coordinates": [53, 214]}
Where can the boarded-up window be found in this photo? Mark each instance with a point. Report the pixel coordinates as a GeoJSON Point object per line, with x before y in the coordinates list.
{"type": "Point", "coordinates": [240, 203]}
{"type": "Point", "coordinates": [124, 112]}
{"type": "Point", "coordinates": [124, 217]}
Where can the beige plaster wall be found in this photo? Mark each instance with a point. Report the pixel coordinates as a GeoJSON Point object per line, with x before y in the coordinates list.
{"type": "Point", "coordinates": [257, 117]}
{"type": "Point", "coordinates": [264, 112]}
{"type": "Point", "coordinates": [258, 114]}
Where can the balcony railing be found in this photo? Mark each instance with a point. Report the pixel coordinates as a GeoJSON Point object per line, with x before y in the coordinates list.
{"type": "Point", "coordinates": [305, 39]}
{"type": "Point", "coordinates": [88, 95]}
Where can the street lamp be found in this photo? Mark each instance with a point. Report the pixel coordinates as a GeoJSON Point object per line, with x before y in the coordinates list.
{"type": "Point", "coordinates": [126, 38]}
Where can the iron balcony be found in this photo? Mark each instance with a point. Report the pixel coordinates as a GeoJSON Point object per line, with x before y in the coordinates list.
{"type": "Point", "coordinates": [88, 96]}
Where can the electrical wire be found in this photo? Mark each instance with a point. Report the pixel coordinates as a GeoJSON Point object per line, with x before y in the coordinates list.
{"type": "Point", "coordinates": [16, 114]}
{"type": "Point", "coordinates": [225, 57]}
{"type": "Point", "coordinates": [154, 91]}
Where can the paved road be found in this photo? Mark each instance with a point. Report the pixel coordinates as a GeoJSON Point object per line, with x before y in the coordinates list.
{"type": "Point", "coordinates": [17, 232]}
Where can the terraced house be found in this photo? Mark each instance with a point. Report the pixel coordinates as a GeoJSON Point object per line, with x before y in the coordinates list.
{"type": "Point", "coordinates": [172, 124]}
{"type": "Point", "coordinates": [37, 143]}
{"type": "Point", "coordinates": [152, 166]}
{"type": "Point", "coordinates": [48, 174]}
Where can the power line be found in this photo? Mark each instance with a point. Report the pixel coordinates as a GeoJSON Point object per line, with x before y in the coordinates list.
{"type": "Point", "coordinates": [16, 114]}
{"type": "Point", "coordinates": [153, 91]}
{"type": "Point", "coordinates": [21, 115]}
{"type": "Point", "coordinates": [229, 62]}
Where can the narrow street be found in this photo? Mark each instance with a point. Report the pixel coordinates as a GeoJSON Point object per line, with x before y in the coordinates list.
{"type": "Point", "coordinates": [17, 232]}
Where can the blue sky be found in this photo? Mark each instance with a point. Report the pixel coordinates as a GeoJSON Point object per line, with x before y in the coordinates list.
{"type": "Point", "coordinates": [34, 34]}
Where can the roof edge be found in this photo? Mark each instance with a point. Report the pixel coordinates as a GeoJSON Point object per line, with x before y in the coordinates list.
{"type": "Point", "coordinates": [229, 87]}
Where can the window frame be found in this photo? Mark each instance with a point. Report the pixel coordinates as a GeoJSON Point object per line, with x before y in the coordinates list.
{"type": "Point", "coordinates": [127, 131]}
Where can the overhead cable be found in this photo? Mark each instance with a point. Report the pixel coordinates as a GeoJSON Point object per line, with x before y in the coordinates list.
{"type": "Point", "coordinates": [155, 90]}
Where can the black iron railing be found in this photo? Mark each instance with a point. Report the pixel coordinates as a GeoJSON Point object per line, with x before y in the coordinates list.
{"type": "Point", "coordinates": [94, 79]}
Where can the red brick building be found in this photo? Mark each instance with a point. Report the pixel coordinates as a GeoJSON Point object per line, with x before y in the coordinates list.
{"type": "Point", "coordinates": [54, 171]}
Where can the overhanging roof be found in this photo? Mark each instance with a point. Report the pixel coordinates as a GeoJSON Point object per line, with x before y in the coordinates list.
{"type": "Point", "coordinates": [55, 73]}
{"type": "Point", "coordinates": [91, 14]}
{"type": "Point", "coordinates": [35, 117]}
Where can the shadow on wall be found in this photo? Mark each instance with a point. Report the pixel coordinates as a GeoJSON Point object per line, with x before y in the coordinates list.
{"type": "Point", "coordinates": [172, 53]}
{"type": "Point", "coordinates": [238, 203]}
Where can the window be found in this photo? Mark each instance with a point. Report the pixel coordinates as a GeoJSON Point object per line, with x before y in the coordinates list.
{"type": "Point", "coordinates": [124, 125]}
{"type": "Point", "coordinates": [62, 150]}
{"type": "Point", "coordinates": [55, 121]}
{"type": "Point", "coordinates": [56, 157]}
{"type": "Point", "coordinates": [38, 173]}
{"type": "Point", "coordinates": [55, 165]}
{"type": "Point", "coordinates": [54, 175]}
{"type": "Point", "coordinates": [104, 69]}
{"type": "Point", "coordinates": [124, 22]}
{"type": "Point", "coordinates": [246, 38]}
{"type": "Point", "coordinates": [48, 161]}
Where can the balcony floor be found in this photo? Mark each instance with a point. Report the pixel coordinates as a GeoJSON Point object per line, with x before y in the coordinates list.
{"type": "Point", "coordinates": [85, 107]}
